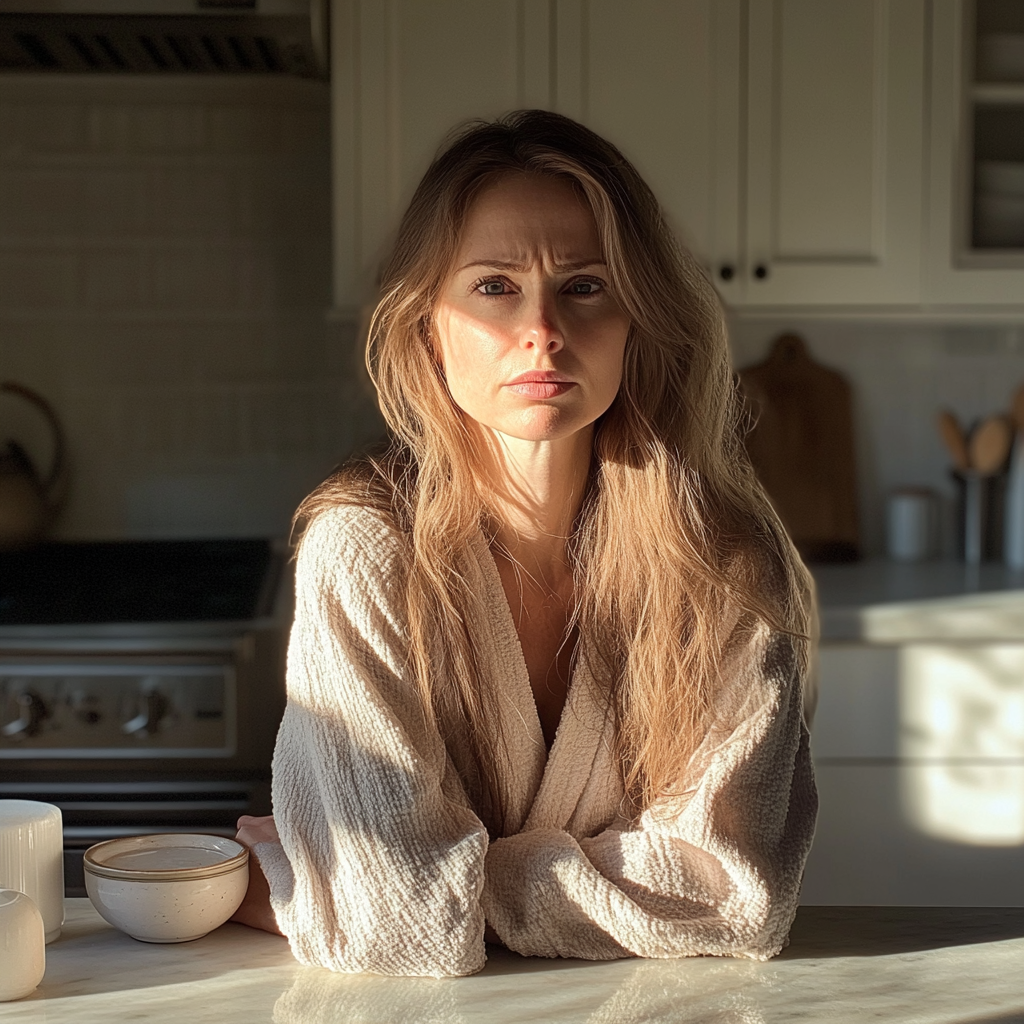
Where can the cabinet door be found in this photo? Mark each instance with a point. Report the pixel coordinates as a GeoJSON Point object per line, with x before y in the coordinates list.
{"type": "Point", "coordinates": [661, 80]}
{"type": "Point", "coordinates": [919, 757]}
{"type": "Point", "coordinates": [405, 72]}
{"type": "Point", "coordinates": [835, 152]}
{"type": "Point", "coordinates": [953, 274]}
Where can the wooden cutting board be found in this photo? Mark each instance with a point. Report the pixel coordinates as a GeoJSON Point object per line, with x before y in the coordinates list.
{"type": "Point", "coordinates": [802, 448]}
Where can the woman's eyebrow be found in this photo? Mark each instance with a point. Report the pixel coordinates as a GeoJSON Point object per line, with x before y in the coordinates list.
{"type": "Point", "coordinates": [520, 268]}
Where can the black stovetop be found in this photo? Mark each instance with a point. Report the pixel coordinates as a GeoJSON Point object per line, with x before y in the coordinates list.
{"type": "Point", "coordinates": [134, 581]}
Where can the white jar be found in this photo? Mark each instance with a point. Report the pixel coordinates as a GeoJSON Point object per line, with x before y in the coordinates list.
{"type": "Point", "coordinates": [32, 857]}
{"type": "Point", "coordinates": [22, 949]}
{"type": "Point", "coordinates": [911, 524]}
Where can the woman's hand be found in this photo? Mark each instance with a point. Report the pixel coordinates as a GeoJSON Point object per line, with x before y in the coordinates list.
{"type": "Point", "coordinates": [257, 830]}
{"type": "Point", "coordinates": [255, 910]}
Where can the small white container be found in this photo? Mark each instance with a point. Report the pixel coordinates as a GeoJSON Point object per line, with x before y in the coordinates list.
{"type": "Point", "coordinates": [22, 945]}
{"type": "Point", "coordinates": [911, 524]}
{"type": "Point", "coordinates": [167, 888]}
{"type": "Point", "coordinates": [32, 857]}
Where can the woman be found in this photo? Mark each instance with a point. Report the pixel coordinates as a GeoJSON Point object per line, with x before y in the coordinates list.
{"type": "Point", "coordinates": [547, 671]}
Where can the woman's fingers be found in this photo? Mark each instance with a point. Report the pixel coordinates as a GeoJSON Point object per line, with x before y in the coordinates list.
{"type": "Point", "coordinates": [253, 830]}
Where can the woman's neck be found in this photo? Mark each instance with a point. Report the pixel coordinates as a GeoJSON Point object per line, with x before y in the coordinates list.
{"type": "Point", "coordinates": [534, 490]}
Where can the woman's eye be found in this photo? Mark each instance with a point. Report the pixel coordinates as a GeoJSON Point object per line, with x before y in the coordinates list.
{"type": "Point", "coordinates": [492, 287]}
{"type": "Point", "coordinates": [585, 287]}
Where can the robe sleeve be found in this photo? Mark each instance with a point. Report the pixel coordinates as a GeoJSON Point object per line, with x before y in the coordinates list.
{"type": "Point", "coordinates": [380, 864]}
{"type": "Point", "coordinates": [715, 869]}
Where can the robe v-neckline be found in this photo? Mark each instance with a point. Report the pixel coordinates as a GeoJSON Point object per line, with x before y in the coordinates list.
{"type": "Point", "coordinates": [545, 785]}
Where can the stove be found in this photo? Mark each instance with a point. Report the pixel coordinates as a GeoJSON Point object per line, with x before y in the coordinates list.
{"type": "Point", "coordinates": [137, 581]}
{"type": "Point", "coordinates": [141, 684]}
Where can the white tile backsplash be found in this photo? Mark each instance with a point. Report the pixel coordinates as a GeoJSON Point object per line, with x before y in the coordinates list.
{"type": "Point", "coordinates": [902, 374]}
{"type": "Point", "coordinates": [164, 278]}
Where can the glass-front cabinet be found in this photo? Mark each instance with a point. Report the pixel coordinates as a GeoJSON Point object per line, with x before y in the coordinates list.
{"type": "Point", "coordinates": [974, 253]}
{"type": "Point", "coordinates": [996, 108]}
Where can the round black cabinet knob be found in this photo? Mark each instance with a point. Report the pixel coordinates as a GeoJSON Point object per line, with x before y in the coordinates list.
{"type": "Point", "coordinates": [726, 271]}
{"type": "Point", "coordinates": [760, 271]}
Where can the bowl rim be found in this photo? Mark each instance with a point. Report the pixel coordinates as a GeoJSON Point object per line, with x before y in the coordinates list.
{"type": "Point", "coordinates": [93, 867]}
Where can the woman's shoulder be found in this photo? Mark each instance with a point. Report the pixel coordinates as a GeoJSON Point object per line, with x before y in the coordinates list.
{"type": "Point", "coordinates": [351, 538]}
{"type": "Point", "coordinates": [361, 534]}
{"type": "Point", "coordinates": [352, 519]}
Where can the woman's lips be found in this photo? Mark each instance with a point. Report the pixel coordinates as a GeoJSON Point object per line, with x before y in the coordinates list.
{"type": "Point", "coordinates": [542, 388]}
{"type": "Point", "coordinates": [540, 384]}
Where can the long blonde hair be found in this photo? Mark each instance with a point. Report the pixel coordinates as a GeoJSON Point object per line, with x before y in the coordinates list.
{"type": "Point", "coordinates": [675, 535]}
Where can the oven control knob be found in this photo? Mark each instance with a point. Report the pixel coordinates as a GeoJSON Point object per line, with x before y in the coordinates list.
{"type": "Point", "coordinates": [86, 707]}
{"type": "Point", "coordinates": [153, 710]}
{"type": "Point", "coordinates": [32, 713]}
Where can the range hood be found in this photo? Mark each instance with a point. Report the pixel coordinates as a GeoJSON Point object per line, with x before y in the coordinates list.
{"type": "Point", "coordinates": [165, 36]}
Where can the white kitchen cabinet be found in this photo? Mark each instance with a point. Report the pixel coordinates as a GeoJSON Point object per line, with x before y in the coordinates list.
{"type": "Point", "coordinates": [868, 852]}
{"type": "Point", "coordinates": [957, 271]}
{"type": "Point", "coordinates": [834, 143]}
{"type": "Point", "coordinates": [785, 138]}
{"type": "Point", "coordinates": [662, 80]}
{"type": "Point", "coordinates": [919, 756]}
{"type": "Point", "coordinates": [404, 72]}
{"type": "Point", "coordinates": [640, 73]}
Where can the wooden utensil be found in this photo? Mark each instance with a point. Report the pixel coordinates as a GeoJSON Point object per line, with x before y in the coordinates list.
{"type": "Point", "coordinates": [953, 437]}
{"type": "Point", "coordinates": [990, 445]}
{"type": "Point", "coordinates": [802, 449]}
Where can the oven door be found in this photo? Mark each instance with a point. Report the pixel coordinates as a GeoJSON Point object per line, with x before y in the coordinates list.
{"type": "Point", "coordinates": [132, 741]}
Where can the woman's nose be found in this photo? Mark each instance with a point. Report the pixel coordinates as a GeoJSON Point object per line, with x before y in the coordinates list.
{"type": "Point", "coordinates": [542, 331]}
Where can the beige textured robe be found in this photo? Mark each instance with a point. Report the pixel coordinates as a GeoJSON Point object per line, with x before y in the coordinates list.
{"type": "Point", "coordinates": [385, 866]}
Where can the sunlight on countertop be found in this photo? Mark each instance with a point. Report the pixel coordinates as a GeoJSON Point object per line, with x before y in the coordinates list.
{"type": "Point", "coordinates": [844, 964]}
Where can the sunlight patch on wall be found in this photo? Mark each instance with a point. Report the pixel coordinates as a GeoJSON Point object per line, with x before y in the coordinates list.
{"type": "Point", "coordinates": [962, 707]}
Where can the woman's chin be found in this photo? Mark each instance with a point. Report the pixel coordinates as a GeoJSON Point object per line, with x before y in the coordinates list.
{"type": "Point", "coordinates": [542, 426]}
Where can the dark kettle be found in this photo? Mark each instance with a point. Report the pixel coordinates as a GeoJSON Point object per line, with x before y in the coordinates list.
{"type": "Point", "coordinates": [28, 501]}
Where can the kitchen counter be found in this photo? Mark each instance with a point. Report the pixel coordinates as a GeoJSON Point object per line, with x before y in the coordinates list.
{"type": "Point", "coordinates": [892, 602]}
{"type": "Point", "coordinates": [930, 966]}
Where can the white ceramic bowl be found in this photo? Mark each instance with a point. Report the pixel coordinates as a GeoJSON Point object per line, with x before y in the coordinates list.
{"type": "Point", "coordinates": [167, 888]}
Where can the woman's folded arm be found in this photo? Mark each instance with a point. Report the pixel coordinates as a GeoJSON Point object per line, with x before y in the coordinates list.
{"type": "Point", "coordinates": [716, 870]}
{"type": "Point", "coordinates": [378, 868]}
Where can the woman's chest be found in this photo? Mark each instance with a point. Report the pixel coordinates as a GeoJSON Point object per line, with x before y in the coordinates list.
{"type": "Point", "coordinates": [542, 617]}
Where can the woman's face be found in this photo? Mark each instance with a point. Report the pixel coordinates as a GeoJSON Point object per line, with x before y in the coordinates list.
{"type": "Point", "coordinates": [530, 337]}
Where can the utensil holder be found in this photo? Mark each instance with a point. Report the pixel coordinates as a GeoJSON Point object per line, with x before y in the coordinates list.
{"type": "Point", "coordinates": [980, 516]}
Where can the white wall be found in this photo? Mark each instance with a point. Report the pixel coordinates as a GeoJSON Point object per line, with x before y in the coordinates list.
{"type": "Point", "coordinates": [164, 277]}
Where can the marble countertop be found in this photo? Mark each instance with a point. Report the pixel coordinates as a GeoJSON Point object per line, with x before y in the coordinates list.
{"type": "Point", "coordinates": [891, 602]}
{"type": "Point", "coordinates": [929, 966]}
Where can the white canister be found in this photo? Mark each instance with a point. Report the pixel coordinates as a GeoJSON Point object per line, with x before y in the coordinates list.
{"type": "Point", "coordinates": [32, 857]}
{"type": "Point", "coordinates": [911, 524]}
{"type": "Point", "coordinates": [22, 946]}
